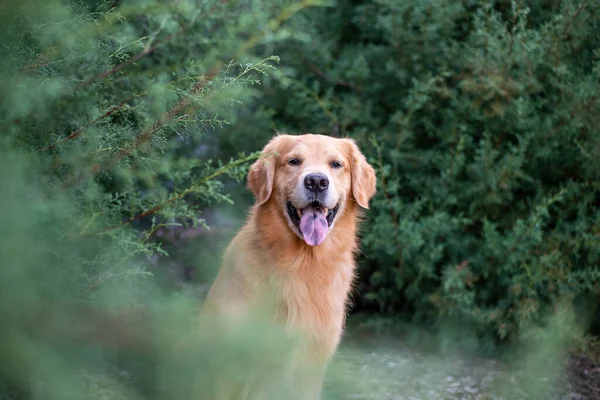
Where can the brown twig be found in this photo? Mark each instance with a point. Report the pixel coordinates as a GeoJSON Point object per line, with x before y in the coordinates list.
{"type": "Point", "coordinates": [132, 60]}
{"type": "Point", "coordinates": [149, 132]}
{"type": "Point", "coordinates": [78, 132]}
{"type": "Point", "coordinates": [180, 196]}
{"type": "Point", "coordinates": [111, 71]}
{"type": "Point", "coordinates": [37, 65]}
{"type": "Point", "coordinates": [169, 115]}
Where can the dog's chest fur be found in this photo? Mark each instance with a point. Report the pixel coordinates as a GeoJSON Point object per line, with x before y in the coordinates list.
{"type": "Point", "coordinates": [313, 296]}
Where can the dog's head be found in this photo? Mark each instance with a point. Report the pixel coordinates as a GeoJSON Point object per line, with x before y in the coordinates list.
{"type": "Point", "coordinates": [311, 178]}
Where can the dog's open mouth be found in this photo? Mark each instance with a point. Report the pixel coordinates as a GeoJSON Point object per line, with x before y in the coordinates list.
{"type": "Point", "coordinates": [312, 221]}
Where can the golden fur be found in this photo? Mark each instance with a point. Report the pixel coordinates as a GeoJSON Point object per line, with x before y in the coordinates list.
{"type": "Point", "coordinates": [267, 262]}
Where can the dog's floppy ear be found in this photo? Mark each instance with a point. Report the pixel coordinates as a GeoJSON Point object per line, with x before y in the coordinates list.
{"type": "Point", "coordinates": [262, 172]}
{"type": "Point", "coordinates": [363, 176]}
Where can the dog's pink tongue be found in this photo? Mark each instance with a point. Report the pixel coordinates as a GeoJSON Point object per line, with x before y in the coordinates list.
{"type": "Point", "coordinates": [313, 225]}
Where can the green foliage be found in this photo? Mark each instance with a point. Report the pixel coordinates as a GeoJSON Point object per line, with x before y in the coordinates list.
{"type": "Point", "coordinates": [106, 111]}
{"type": "Point", "coordinates": [481, 118]}
{"type": "Point", "coordinates": [117, 117]}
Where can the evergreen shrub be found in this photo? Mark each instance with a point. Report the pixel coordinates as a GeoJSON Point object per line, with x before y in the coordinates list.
{"type": "Point", "coordinates": [106, 110]}
{"type": "Point", "coordinates": [482, 120]}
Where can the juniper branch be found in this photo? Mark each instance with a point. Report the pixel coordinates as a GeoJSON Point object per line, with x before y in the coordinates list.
{"type": "Point", "coordinates": [220, 171]}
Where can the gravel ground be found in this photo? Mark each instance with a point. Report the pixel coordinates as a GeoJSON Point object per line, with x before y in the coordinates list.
{"type": "Point", "coordinates": [395, 372]}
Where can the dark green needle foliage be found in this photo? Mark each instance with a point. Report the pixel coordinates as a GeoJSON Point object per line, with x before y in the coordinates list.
{"type": "Point", "coordinates": [482, 120]}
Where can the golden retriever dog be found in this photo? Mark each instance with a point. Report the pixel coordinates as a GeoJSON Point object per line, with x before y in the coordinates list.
{"type": "Point", "coordinates": [296, 250]}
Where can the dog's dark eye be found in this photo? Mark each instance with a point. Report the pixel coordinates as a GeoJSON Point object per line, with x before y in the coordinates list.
{"type": "Point", "coordinates": [293, 161]}
{"type": "Point", "coordinates": [336, 164]}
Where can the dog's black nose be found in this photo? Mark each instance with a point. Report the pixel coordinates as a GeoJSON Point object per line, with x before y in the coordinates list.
{"type": "Point", "coordinates": [316, 182]}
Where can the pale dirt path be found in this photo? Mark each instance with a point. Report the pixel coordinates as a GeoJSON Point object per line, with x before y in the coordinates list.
{"type": "Point", "coordinates": [395, 372]}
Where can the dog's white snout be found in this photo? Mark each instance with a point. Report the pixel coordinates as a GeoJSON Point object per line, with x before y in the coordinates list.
{"type": "Point", "coordinates": [315, 186]}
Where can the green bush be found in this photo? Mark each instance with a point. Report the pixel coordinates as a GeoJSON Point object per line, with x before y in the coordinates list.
{"type": "Point", "coordinates": [108, 111]}
{"type": "Point", "coordinates": [481, 118]}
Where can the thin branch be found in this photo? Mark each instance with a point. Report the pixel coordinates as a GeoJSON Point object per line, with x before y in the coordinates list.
{"type": "Point", "coordinates": [39, 65]}
{"type": "Point", "coordinates": [77, 132]}
{"type": "Point", "coordinates": [191, 189]}
{"type": "Point", "coordinates": [132, 60]}
{"type": "Point", "coordinates": [147, 133]}
{"type": "Point", "coordinates": [144, 53]}
{"type": "Point", "coordinates": [169, 115]}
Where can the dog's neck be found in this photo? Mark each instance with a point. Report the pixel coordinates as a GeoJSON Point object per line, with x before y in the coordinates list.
{"type": "Point", "coordinates": [275, 236]}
